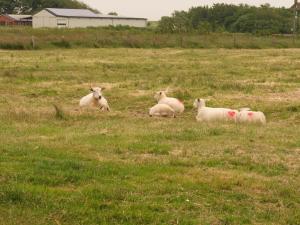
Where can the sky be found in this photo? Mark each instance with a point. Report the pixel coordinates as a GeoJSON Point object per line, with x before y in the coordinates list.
{"type": "Point", "coordinates": [155, 9]}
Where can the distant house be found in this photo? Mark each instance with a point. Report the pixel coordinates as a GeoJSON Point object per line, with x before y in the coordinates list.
{"type": "Point", "coordinates": [73, 18]}
{"type": "Point", "coordinates": [15, 20]}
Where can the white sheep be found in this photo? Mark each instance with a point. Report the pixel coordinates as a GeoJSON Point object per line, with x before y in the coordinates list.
{"type": "Point", "coordinates": [207, 114]}
{"type": "Point", "coordinates": [92, 98]}
{"type": "Point", "coordinates": [247, 116]}
{"type": "Point", "coordinates": [163, 110]}
{"type": "Point", "coordinates": [103, 104]}
{"type": "Point", "coordinates": [174, 103]}
{"type": "Point", "coordinates": [95, 99]}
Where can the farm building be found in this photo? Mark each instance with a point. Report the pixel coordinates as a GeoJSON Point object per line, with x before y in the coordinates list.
{"type": "Point", "coordinates": [73, 18]}
{"type": "Point", "coordinates": [296, 5]}
{"type": "Point", "coordinates": [15, 20]}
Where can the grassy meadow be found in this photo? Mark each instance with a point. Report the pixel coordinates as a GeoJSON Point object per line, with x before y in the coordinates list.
{"type": "Point", "coordinates": [26, 38]}
{"type": "Point", "coordinates": [74, 166]}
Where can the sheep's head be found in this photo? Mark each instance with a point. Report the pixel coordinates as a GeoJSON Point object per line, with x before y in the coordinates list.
{"type": "Point", "coordinates": [159, 95]}
{"type": "Point", "coordinates": [97, 92]}
{"type": "Point", "coordinates": [199, 103]}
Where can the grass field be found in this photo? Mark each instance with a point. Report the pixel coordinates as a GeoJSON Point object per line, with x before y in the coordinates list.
{"type": "Point", "coordinates": [26, 38]}
{"type": "Point", "coordinates": [87, 167]}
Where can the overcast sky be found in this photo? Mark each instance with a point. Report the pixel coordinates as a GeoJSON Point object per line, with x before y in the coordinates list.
{"type": "Point", "coordinates": [155, 9]}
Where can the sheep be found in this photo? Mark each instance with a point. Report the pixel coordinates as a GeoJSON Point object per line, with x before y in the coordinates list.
{"type": "Point", "coordinates": [247, 116]}
{"type": "Point", "coordinates": [207, 114]}
{"type": "Point", "coordinates": [163, 110]}
{"type": "Point", "coordinates": [103, 104]}
{"type": "Point", "coordinates": [92, 98]}
{"type": "Point", "coordinates": [174, 103]}
{"type": "Point", "coordinates": [95, 99]}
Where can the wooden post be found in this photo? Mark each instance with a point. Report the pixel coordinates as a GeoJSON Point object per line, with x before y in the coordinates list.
{"type": "Point", "coordinates": [33, 42]}
{"type": "Point", "coordinates": [295, 21]}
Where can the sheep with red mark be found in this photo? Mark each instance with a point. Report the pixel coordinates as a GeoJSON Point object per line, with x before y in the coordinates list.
{"type": "Point", "coordinates": [247, 116]}
{"type": "Point", "coordinates": [208, 114]}
{"type": "Point", "coordinates": [174, 103]}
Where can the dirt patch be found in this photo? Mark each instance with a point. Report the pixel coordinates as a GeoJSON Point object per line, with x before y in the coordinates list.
{"type": "Point", "coordinates": [139, 93]}
{"type": "Point", "coordinates": [107, 86]}
{"type": "Point", "coordinates": [271, 97]}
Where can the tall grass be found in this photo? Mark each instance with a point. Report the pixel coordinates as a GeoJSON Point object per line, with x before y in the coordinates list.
{"type": "Point", "coordinates": [116, 37]}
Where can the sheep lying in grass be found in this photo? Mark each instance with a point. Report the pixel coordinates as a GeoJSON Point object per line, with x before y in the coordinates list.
{"type": "Point", "coordinates": [247, 116]}
{"type": "Point", "coordinates": [174, 103]}
{"type": "Point", "coordinates": [95, 99]}
{"type": "Point", "coordinates": [207, 114]}
{"type": "Point", "coordinates": [162, 110]}
{"type": "Point", "coordinates": [92, 98]}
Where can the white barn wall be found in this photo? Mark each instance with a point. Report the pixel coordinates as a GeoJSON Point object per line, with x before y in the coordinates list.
{"type": "Point", "coordinates": [88, 22]}
{"type": "Point", "coordinates": [46, 19]}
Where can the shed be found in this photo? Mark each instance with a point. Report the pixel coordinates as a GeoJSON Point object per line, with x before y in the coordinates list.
{"type": "Point", "coordinates": [15, 20]}
{"type": "Point", "coordinates": [296, 5]}
{"type": "Point", "coordinates": [74, 18]}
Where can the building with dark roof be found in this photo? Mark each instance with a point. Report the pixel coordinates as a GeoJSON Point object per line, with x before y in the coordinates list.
{"type": "Point", "coordinates": [15, 20]}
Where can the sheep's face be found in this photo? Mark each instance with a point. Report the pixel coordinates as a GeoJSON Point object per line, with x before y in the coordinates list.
{"type": "Point", "coordinates": [198, 103]}
{"type": "Point", "coordinates": [96, 92]}
{"type": "Point", "coordinates": [159, 95]}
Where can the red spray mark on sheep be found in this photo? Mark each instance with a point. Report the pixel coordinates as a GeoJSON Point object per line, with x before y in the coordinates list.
{"type": "Point", "coordinates": [250, 114]}
{"type": "Point", "coordinates": [231, 114]}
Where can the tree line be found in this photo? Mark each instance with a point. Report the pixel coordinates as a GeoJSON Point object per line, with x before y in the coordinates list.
{"type": "Point", "coordinates": [32, 6]}
{"type": "Point", "coordinates": [229, 18]}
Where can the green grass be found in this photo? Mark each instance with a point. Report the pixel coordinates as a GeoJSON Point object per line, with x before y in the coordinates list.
{"type": "Point", "coordinates": [26, 38]}
{"type": "Point", "coordinates": [60, 165]}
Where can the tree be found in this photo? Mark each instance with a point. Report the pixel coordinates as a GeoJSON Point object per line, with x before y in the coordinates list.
{"type": "Point", "coordinates": [231, 18]}
{"type": "Point", "coordinates": [32, 6]}
{"type": "Point", "coordinates": [166, 25]}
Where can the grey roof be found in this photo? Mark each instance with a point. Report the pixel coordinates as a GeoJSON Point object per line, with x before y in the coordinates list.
{"type": "Point", "coordinates": [84, 13]}
{"type": "Point", "coordinates": [19, 16]}
{"type": "Point", "coordinates": [72, 12]}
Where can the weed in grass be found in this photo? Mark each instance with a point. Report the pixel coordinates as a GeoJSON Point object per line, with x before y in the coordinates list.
{"type": "Point", "coordinates": [59, 113]}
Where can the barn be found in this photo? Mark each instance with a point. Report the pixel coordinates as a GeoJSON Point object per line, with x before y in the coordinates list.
{"type": "Point", "coordinates": [15, 20]}
{"type": "Point", "coordinates": [74, 18]}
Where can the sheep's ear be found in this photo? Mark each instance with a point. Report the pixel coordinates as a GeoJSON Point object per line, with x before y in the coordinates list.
{"type": "Point", "coordinates": [167, 90]}
{"type": "Point", "coordinates": [198, 99]}
{"type": "Point", "coordinates": [91, 89]}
